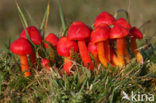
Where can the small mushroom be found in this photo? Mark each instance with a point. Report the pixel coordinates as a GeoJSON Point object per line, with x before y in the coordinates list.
{"type": "Point", "coordinates": [45, 63]}
{"type": "Point", "coordinates": [35, 37]}
{"type": "Point", "coordinates": [135, 33]}
{"type": "Point", "coordinates": [124, 23]}
{"type": "Point", "coordinates": [119, 33]}
{"type": "Point", "coordinates": [64, 48]}
{"type": "Point", "coordinates": [98, 36]}
{"type": "Point", "coordinates": [104, 18]}
{"type": "Point", "coordinates": [80, 32]}
{"type": "Point", "coordinates": [22, 47]}
{"type": "Point", "coordinates": [52, 39]}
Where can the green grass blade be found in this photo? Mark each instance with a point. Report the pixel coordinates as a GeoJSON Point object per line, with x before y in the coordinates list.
{"type": "Point", "coordinates": [61, 15]}
{"type": "Point", "coordinates": [24, 22]}
{"type": "Point", "coordinates": [22, 15]}
{"type": "Point", "coordinates": [45, 20]}
{"type": "Point", "coordinates": [31, 18]}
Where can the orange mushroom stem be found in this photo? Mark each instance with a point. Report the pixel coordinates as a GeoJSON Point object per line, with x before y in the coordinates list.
{"type": "Point", "coordinates": [67, 65]}
{"type": "Point", "coordinates": [24, 65]}
{"type": "Point", "coordinates": [136, 51]}
{"type": "Point", "coordinates": [85, 55]}
{"type": "Point", "coordinates": [101, 53]}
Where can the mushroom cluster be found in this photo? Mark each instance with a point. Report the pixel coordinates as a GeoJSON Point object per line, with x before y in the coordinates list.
{"type": "Point", "coordinates": [105, 43]}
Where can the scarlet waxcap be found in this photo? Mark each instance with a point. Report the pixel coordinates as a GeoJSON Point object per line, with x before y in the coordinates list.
{"type": "Point", "coordinates": [44, 61]}
{"type": "Point", "coordinates": [78, 31]}
{"type": "Point", "coordinates": [100, 34]}
{"type": "Point", "coordinates": [118, 32]}
{"type": "Point", "coordinates": [135, 32]}
{"type": "Point", "coordinates": [92, 48]}
{"type": "Point", "coordinates": [104, 18]}
{"type": "Point", "coordinates": [52, 39]}
{"type": "Point", "coordinates": [21, 46]}
{"type": "Point", "coordinates": [65, 46]}
{"type": "Point", "coordinates": [34, 35]}
{"type": "Point", "coordinates": [124, 23]}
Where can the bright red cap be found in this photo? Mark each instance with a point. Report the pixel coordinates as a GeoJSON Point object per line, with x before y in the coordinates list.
{"type": "Point", "coordinates": [78, 31]}
{"type": "Point", "coordinates": [44, 62]}
{"type": "Point", "coordinates": [104, 18]}
{"type": "Point", "coordinates": [135, 32]}
{"type": "Point", "coordinates": [52, 39]}
{"type": "Point", "coordinates": [124, 23]}
{"type": "Point", "coordinates": [64, 46]}
{"type": "Point", "coordinates": [21, 46]}
{"type": "Point", "coordinates": [100, 34]}
{"type": "Point", "coordinates": [34, 35]}
{"type": "Point", "coordinates": [92, 48]}
{"type": "Point", "coordinates": [118, 32]}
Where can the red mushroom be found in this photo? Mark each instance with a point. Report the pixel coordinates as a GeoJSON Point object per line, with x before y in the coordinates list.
{"type": "Point", "coordinates": [104, 18]}
{"type": "Point", "coordinates": [52, 39]}
{"type": "Point", "coordinates": [22, 47]}
{"type": "Point", "coordinates": [80, 32]}
{"type": "Point", "coordinates": [119, 33]}
{"type": "Point", "coordinates": [98, 36]}
{"type": "Point", "coordinates": [45, 63]}
{"type": "Point", "coordinates": [92, 48]}
{"type": "Point", "coordinates": [124, 23]}
{"type": "Point", "coordinates": [35, 37]}
{"type": "Point", "coordinates": [135, 33]}
{"type": "Point", "coordinates": [64, 48]}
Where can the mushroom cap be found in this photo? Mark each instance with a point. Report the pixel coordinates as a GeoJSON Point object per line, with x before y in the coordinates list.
{"type": "Point", "coordinates": [104, 18]}
{"type": "Point", "coordinates": [34, 35]}
{"type": "Point", "coordinates": [52, 39]}
{"type": "Point", "coordinates": [21, 46]}
{"type": "Point", "coordinates": [92, 48]}
{"type": "Point", "coordinates": [78, 31]}
{"type": "Point", "coordinates": [64, 47]}
{"type": "Point", "coordinates": [135, 32]}
{"type": "Point", "coordinates": [44, 61]}
{"type": "Point", "coordinates": [101, 33]}
{"type": "Point", "coordinates": [124, 23]}
{"type": "Point", "coordinates": [118, 32]}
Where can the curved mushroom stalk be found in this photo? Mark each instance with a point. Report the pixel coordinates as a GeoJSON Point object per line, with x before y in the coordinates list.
{"type": "Point", "coordinates": [85, 55]}
{"type": "Point", "coordinates": [121, 50]}
{"type": "Point", "coordinates": [136, 52]}
{"type": "Point", "coordinates": [127, 56]}
{"type": "Point", "coordinates": [67, 65]}
{"type": "Point", "coordinates": [107, 51]}
{"type": "Point", "coordinates": [101, 54]}
{"type": "Point", "coordinates": [24, 66]}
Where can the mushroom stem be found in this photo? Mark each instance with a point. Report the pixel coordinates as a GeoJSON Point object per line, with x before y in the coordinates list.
{"type": "Point", "coordinates": [101, 54]}
{"type": "Point", "coordinates": [107, 51]}
{"type": "Point", "coordinates": [127, 56]}
{"type": "Point", "coordinates": [136, 52]}
{"type": "Point", "coordinates": [96, 58]}
{"type": "Point", "coordinates": [24, 66]}
{"type": "Point", "coordinates": [67, 65]}
{"type": "Point", "coordinates": [33, 58]}
{"type": "Point", "coordinates": [121, 45]}
{"type": "Point", "coordinates": [85, 55]}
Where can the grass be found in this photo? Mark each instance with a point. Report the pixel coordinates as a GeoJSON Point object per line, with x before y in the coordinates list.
{"type": "Point", "coordinates": [82, 86]}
